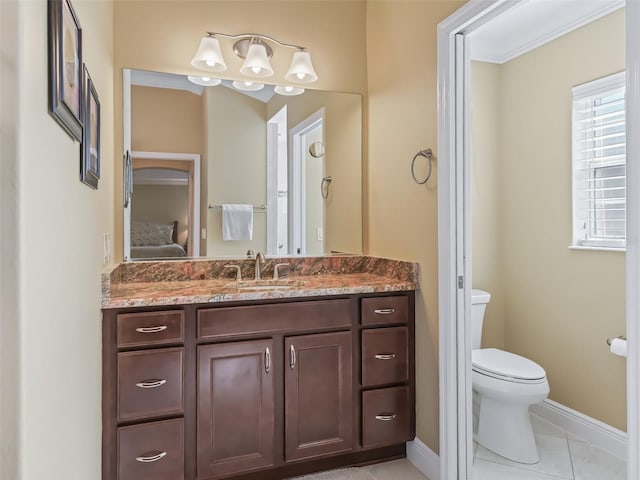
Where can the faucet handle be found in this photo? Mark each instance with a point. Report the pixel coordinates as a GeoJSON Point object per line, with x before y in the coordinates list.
{"type": "Point", "coordinates": [238, 271]}
{"type": "Point", "coordinates": [276, 271]}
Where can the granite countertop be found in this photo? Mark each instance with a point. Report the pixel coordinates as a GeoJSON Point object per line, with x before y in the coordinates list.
{"type": "Point", "coordinates": [143, 284]}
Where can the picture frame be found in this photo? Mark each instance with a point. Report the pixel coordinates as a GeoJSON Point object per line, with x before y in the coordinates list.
{"type": "Point", "coordinates": [65, 67]}
{"type": "Point", "coordinates": [90, 148]}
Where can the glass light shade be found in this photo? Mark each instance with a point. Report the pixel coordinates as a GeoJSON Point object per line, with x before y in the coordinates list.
{"type": "Point", "coordinates": [256, 64]}
{"type": "Point", "coordinates": [248, 86]}
{"type": "Point", "coordinates": [301, 69]}
{"type": "Point", "coordinates": [209, 56]}
{"type": "Point", "coordinates": [204, 81]}
{"type": "Point", "coordinates": [288, 90]}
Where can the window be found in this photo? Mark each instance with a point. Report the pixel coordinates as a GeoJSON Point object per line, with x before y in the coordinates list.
{"type": "Point", "coordinates": [599, 158]}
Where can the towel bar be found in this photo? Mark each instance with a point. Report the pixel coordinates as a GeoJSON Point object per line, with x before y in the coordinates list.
{"type": "Point", "coordinates": [256, 208]}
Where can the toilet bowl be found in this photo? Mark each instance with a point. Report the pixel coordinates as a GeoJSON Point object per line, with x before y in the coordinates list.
{"type": "Point", "coordinates": [506, 384]}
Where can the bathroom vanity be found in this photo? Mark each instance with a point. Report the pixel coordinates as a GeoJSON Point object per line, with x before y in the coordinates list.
{"type": "Point", "coordinates": [256, 380]}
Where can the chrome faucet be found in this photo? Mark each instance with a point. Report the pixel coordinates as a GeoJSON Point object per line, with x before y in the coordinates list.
{"type": "Point", "coordinates": [259, 260]}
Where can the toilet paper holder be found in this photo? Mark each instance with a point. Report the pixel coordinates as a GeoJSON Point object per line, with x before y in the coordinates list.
{"type": "Point", "coordinates": [621, 337]}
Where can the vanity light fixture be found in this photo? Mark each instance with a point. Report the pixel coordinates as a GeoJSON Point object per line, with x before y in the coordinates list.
{"type": "Point", "coordinates": [255, 50]}
{"type": "Point", "coordinates": [288, 90]}
{"type": "Point", "coordinates": [248, 86]}
{"type": "Point", "coordinates": [204, 81]}
{"type": "Point", "coordinates": [209, 56]}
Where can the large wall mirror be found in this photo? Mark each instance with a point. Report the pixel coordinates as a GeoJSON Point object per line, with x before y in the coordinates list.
{"type": "Point", "coordinates": [218, 170]}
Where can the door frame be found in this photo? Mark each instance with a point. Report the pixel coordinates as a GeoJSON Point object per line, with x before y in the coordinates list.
{"type": "Point", "coordinates": [454, 235]}
{"type": "Point", "coordinates": [192, 164]}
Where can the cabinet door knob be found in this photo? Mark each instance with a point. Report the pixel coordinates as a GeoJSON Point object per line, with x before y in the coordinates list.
{"type": "Point", "coordinates": [151, 458]}
{"type": "Point", "coordinates": [292, 357]}
{"type": "Point", "coordinates": [385, 356]}
{"type": "Point", "coordinates": [157, 329]}
{"type": "Point", "coordinates": [151, 383]}
{"type": "Point", "coordinates": [386, 417]}
{"type": "Point", "coordinates": [267, 360]}
{"type": "Point", "coordinates": [384, 311]}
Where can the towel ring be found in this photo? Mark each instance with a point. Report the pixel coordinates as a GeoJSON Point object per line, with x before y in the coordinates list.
{"type": "Point", "coordinates": [428, 154]}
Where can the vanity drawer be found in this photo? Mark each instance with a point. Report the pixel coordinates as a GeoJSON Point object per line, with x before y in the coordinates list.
{"type": "Point", "coordinates": [150, 383]}
{"type": "Point", "coordinates": [264, 319]}
{"type": "Point", "coordinates": [386, 417]}
{"type": "Point", "coordinates": [150, 328]}
{"type": "Point", "coordinates": [385, 356]}
{"type": "Point", "coordinates": [151, 451]}
{"type": "Point", "coordinates": [379, 310]}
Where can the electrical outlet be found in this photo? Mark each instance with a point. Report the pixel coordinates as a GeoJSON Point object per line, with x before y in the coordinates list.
{"type": "Point", "coordinates": [203, 233]}
{"type": "Point", "coordinates": [319, 234]}
{"type": "Point", "coordinates": [106, 248]}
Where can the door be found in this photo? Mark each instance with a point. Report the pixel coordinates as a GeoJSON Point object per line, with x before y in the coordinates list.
{"type": "Point", "coordinates": [235, 417]}
{"type": "Point", "coordinates": [318, 395]}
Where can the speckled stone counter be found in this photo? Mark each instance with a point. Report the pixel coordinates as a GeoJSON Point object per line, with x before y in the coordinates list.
{"type": "Point", "coordinates": [149, 283]}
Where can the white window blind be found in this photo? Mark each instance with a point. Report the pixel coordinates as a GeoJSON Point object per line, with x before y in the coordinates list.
{"type": "Point", "coordinates": [599, 158]}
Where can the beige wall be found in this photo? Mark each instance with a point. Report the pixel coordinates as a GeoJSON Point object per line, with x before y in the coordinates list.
{"type": "Point", "coordinates": [166, 120]}
{"type": "Point", "coordinates": [559, 305]}
{"type": "Point", "coordinates": [486, 198]}
{"type": "Point", "coordinates": [60, 227]}
{"type": "Point", "coordinates": [10, 34]}
{"type": "Point", "coordinates": [163, 36]}
{"type": "Point", "coordinates": [236, 136]}
{"type": "Point", "coordinates": [402, 216]}
{"type": "Point", "coordinates": [343, 131]}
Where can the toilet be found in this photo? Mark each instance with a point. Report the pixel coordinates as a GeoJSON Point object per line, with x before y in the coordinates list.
{"type": "Point", "coordinates": [506, 385]}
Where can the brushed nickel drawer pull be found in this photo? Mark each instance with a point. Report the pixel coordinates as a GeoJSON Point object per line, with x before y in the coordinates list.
{"type": "Point", "coordinates": [267, 360]}
{"type": "Point", "coordinates": [385, 356]}
{"type": "Point", "coordinates": [151, 383]}
{"type": "Point", "coordinates": [157, 329]}
{"type": "Point", "coordinates": [384, 311]}
{"type": "Point", "coordinates": [151, 458]}
{"type": "Point", "coordinates": [386, 417]}
{"type": "Point", "coordinates": [292, 357]}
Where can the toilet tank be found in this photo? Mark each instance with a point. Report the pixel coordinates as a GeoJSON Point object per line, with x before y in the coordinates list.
{"type": "Point", "coordinates": [479, 300]}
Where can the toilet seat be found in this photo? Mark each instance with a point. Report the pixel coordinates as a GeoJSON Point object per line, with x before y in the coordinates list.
{"type": "Point", "coordinates": [506, 366]}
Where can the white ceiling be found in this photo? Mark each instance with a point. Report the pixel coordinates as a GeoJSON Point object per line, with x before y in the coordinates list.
{"type": "Point", "coordinates": [146, 78]}
{"type": "Point", "coordinates": [159, 176]}
{"type": "Point", "coordinates": [532, 23]}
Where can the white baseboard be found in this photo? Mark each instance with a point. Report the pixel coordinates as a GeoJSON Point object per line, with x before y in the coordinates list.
{"type": "Point", "coordinates": [424, 459]}
{"type": "Point", "coordinates": [594, 431]}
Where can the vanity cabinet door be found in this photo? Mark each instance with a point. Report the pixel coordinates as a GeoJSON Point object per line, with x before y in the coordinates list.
{"type": "Point", "coordinates": [318, 395]}
{"type": "Point", "coordinates": [235, 414]}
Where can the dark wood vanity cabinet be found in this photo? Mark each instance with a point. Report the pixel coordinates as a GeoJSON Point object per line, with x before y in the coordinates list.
{"type": "Point", "coordinates": [257, 390]}
{"type": "Point", "coordinates": [235, 404]}
{"type": "Point", "coordinates": [318, 395]}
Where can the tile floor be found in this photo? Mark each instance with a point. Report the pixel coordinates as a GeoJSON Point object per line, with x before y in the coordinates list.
{"type": "Point", "coordinates": [394, 470]}
{"type": "Point", "coordinates": [562, 456]}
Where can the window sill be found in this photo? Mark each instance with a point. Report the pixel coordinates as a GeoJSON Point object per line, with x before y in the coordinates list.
{"type": "Point", "coordinates": [602, 249]}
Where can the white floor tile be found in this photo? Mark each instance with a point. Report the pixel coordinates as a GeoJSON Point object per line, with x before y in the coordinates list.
{"type": "Point", "coordinates": [484, 470]}
{"type": "Point", "coordinates": [554, 457]}
{"type": "Point", "coordinates": [545, 427]}
{"type": "Point", "coordinates": [591, 463]}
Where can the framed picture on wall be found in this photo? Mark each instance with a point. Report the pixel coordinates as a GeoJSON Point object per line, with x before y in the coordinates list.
{"type": "Point", "coordinates": [90, 150]}
{"type": "Point", "coordinates": [65, 67]}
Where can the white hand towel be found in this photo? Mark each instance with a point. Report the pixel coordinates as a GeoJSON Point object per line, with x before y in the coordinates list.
{"type": "Point", "coordinates": [237, 222]}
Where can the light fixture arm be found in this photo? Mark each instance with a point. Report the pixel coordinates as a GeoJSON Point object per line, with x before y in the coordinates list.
{"type": "Point", "coordinates": [259, 36]}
